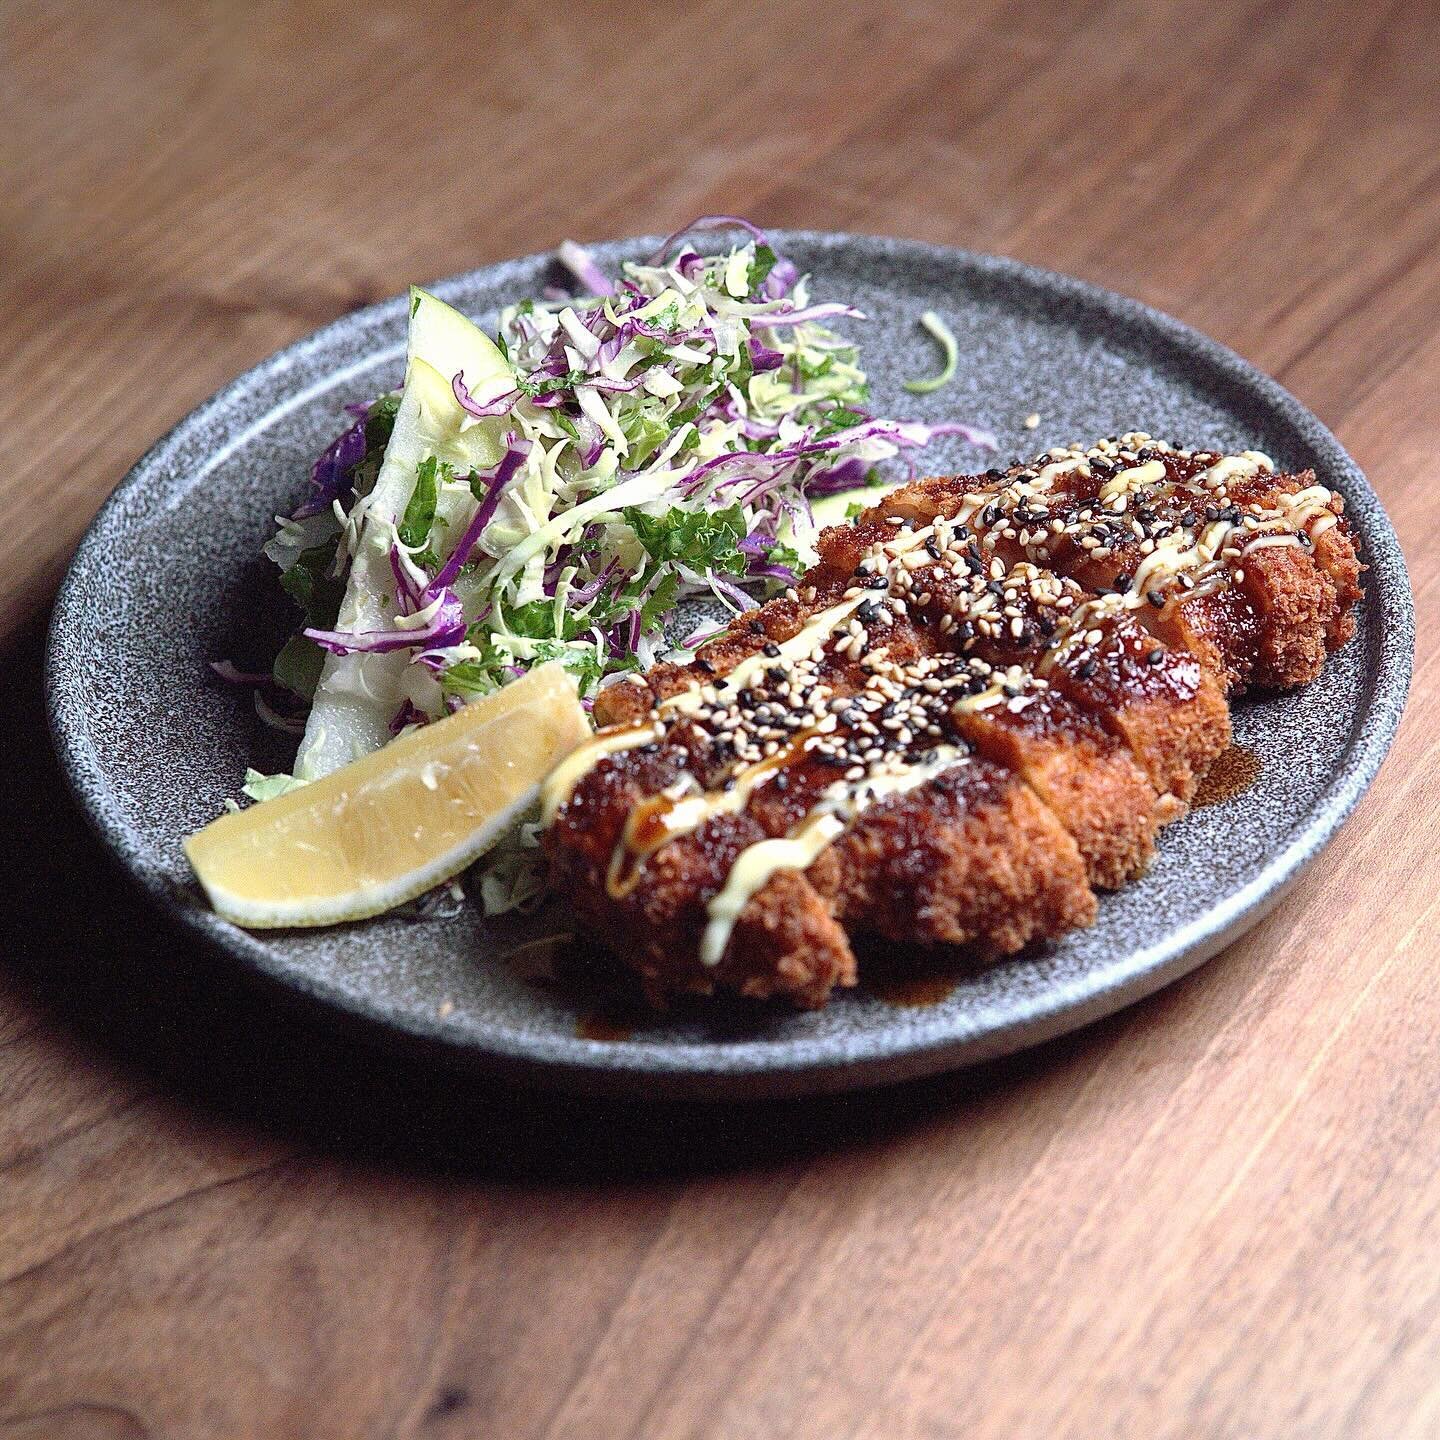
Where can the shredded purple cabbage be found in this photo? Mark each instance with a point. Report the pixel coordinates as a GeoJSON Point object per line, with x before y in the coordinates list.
{"type": "Point", "coordinates": [446, 627]}
{"type": "Point", "coordinates": [498, 406]}
{"type": "Point", "coordinates": [576, 259]}
{"type": "Point", "coordinates": [330, 476]}
{"type": "Point", "coordinates": [495, 481]}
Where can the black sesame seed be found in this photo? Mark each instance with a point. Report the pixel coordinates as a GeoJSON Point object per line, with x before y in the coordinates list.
{"type": "Point", "coordinates": [1155, 598]}
{"type": "Point", "coordinates": [772, 650]}
{"type": "Point", "coordinates": [1154, 657]}
{"type": "Point", "coordinates": [877, 582]}
{"type": "Point", "coordinates": [1085, 669]}
{"type": "Point", "coordinates": [703, 664]}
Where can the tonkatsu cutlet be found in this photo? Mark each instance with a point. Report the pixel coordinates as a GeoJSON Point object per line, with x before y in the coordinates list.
{"type": "Point", "coordinates": [981, 704]}
{"type": "Point", "coordinates": [1255, 573]}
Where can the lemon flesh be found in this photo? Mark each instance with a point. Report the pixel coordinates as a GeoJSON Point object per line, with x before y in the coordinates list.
{"type": "Point", "coordinates": [392, 825]}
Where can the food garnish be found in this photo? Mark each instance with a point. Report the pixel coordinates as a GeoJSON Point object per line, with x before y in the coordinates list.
{"type": "Point", "coordinates": [948, 345]}
{"type": "Point", "coordinates": [397, 822]}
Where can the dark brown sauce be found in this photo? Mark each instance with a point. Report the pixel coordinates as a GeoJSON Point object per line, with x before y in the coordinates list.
{"type": "Point", "coordinates": [575, 971]}
{"type": "Point", "coordinates": [914, 991]}
{"type": "Point", "coordinates": [1233, 772]}
{"type": "Point", "coordinates": [603, 1027]}
{"type": "Point", "coordinates": [537, 961]}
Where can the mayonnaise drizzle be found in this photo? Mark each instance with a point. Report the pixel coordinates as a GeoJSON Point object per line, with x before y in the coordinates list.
{"type": "Point", "coordinates": [1243, 465]}
{"type": "Point", "coordinates": [560, 784]}
{"type": "Point", "coordinates": [691, 811]}
{"type": "Point", "coordinates": [756, 864]}
{"type": "Point", "coordinates": [803, 643]}
{"type": "Point", "coordinates": [1123, 481]}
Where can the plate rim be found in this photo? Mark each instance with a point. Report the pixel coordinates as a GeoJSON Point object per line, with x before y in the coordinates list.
{"type": "Point", "coordinates": [725, 1070]}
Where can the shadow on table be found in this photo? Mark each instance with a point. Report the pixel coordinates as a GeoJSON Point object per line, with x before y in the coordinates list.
{"type": "Point", "coordinates": [92, 957]}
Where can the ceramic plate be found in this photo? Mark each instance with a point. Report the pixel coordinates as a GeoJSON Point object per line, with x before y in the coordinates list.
{"type": "Point", "coordinates": [169, 577]}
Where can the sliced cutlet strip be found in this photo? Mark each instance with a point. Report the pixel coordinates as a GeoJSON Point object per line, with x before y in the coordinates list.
{"type": "Point", "coordinates": [1163, 703]}
{"type": "Point", "coordinates": [1085, 775]}
{"type": "Point", "coordinates": [1222, 553]}
{"type": "Point", "coordinates": [973, 858]}
{"type": "Point", "coordinates": [786, 943]}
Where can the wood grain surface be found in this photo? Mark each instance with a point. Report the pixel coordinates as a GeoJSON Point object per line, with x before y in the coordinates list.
{"type": "Point", "coordinates": [1217, 1214]}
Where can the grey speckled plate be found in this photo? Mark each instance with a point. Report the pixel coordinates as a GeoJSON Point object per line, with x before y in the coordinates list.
{"type": "Point", "coordinates": [168, 578]}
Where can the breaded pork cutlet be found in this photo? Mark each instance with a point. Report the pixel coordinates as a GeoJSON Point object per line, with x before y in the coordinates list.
{"type": "Point", "coordinates": [965, 718]}
{"type": "Point", "coordinates": [1253, 572]}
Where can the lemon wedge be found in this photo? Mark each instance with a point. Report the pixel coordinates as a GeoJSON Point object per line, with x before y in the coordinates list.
{"type": "Point", "coordinates": [388, 827]}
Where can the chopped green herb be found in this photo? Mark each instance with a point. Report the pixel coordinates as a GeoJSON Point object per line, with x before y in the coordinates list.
{"type": "Point", "coordinates": [414, 528]}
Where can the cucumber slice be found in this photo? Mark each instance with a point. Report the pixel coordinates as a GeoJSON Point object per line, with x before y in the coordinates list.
{"type": "Point", "coordinates": [358, 694]}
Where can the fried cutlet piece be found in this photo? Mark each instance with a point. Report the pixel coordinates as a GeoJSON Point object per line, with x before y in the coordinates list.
{"type": "Point", "coordinates": [1254, 573]}
{"type": "Point", "coordinates": [786, 943]}
{"type": "Point", "coordinates": [973, 858]}
{"type": "Point", "coordinates": [1083, 774]}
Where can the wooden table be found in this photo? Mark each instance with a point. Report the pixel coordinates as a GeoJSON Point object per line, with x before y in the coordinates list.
{"type": "Point", "coordinates": [1217, 1214]}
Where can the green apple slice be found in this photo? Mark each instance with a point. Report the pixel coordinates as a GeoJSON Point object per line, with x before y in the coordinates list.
{"type": "Point", "coordinates": [358, 694]}
{"type": "Point", "coordinates": [829, 510]}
